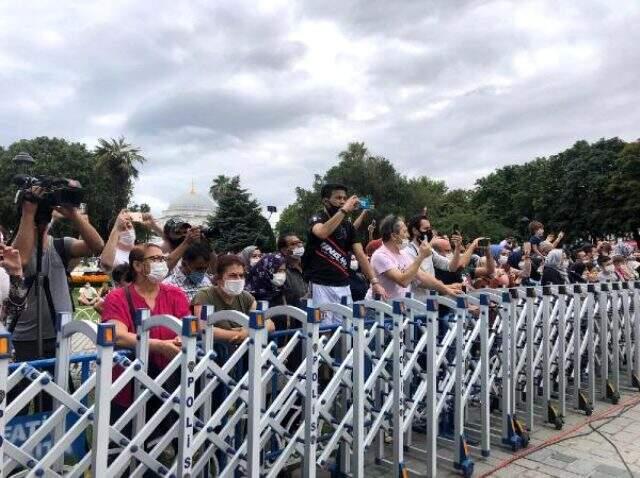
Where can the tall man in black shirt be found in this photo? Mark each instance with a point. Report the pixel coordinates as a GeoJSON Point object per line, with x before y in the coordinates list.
{"type": "Point", "coordinates": [331, 241]}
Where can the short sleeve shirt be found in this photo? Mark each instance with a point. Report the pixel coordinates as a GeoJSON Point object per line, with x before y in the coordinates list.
{"type": "Point", "coordinates": [384, 260]}
{"type": "Point", "coordinates": [170, 300]}
{"type": "Point", "coordinates": [327, 260]}
{"type": "Point", "coordinates": [211, 296]}
{"type": "Point", "coordinates": [535, 240]}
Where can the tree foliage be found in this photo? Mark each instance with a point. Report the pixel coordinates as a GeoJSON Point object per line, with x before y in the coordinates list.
{"type": "Point", "coordinates": [588, 191]}
{"type": "Point", "coordinates": [107, 182]}
{"type": "Point", "coordinates": [238, 221]}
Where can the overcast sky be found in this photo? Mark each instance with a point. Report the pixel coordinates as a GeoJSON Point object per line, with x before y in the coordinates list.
{"type": "Point", "coordinates": [273, 91]}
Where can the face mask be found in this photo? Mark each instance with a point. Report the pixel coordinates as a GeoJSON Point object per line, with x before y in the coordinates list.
{"type": "Point", "coordinates": [609, 268]}
{"type": "Point", "coordinates": [403, 244]}
{"type": "Point", "coordinates": [354, 265]}
{"type": "Point", "coordinates": [279, 279]}
{"type": "Point", "coordinates": [502, 260]}
{"type": "Point", "coordinates": [520, 264]}
{"type": "Point", "coordinates": [157, 272]}
{"type": "Point", "coordinates": [565, 264]}
{"type": "Point", "coordinates": [196, 277]}
{"type": "Point", "coordinates": [253, 261]}
{"type": "Point", "coordinates": [298, 251]}
{"type": "Point", "coordinates": [128, 237]}
{"type": "Point", "coordinates": [331, 209]}
{"type": "Point", "coordinates": [233, 286]}
{"type": "Point", "coordinates": [540, 233]}
{"type": "Point", "coordinates": [449, 256]}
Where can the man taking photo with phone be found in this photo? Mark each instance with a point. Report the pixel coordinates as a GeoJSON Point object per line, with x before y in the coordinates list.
{"type": "Point", "coordinates": [331, 241]}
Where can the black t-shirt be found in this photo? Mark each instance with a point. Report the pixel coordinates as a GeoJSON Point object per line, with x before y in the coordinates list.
{"type": "Point", "coordinates": [327, 261]}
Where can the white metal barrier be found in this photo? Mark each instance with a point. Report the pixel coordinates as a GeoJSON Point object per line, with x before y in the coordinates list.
{"type": "Point", "coordinates": [449, 379]}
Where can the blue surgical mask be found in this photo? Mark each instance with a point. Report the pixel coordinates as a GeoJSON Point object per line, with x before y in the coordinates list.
{"type": "Point", "coordinates": [196, 277]}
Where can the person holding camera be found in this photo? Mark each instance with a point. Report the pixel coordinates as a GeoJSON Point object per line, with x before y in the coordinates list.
{"type": "Point", "coordinates": [331, 241]}
{"type": "Point", "coordinates": [56, 254]}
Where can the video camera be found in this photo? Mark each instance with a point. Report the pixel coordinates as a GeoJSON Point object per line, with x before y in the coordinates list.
{"type": "Point", "coordinates": [55, 192]}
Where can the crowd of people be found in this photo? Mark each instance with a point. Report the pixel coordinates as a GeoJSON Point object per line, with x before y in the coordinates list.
{"type": "Point", "coordinates": [180, 272]}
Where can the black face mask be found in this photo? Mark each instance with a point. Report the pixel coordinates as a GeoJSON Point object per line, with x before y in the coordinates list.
{"type": "Point", "coordinates": [331, 209]}
{"type": "Point", "coordinates": [427, 235]}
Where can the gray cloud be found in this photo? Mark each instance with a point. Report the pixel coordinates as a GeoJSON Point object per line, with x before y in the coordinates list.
{"type": "Point", "coordinates": [273, 92]}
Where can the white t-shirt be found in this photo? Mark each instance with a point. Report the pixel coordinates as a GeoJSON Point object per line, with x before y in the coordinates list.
{"type": "Point", "coordinates": [121, 257]}
{"type": "Point", "coordinates": [429, 265]}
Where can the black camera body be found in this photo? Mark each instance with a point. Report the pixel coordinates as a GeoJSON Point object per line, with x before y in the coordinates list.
{"type": "Point", "coordinates": [55, 192]}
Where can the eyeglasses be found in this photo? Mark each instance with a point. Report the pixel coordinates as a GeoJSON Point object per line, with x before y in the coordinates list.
{"type": "Point", "coordinates": [156, 259]}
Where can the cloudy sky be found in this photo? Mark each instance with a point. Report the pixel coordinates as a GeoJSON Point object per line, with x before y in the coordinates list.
{"type": "Point", "coordinates": [274, 90]}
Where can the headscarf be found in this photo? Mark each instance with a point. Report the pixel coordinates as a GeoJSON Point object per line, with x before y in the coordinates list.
{"type": "Point", "coordinates": [554, 261]}
{"type": "Point", "coordinates": [245, 255]}
{"type": "Point", "coordinates": [259, 277]}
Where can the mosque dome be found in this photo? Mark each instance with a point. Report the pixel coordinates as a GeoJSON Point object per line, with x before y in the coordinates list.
{"type": "Point", "coordinates": [191, 207]}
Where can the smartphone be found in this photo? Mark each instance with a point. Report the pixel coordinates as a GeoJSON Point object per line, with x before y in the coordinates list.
{"type": "Point", "coordinates": [82, 208]}
{"type": "Point", "coordinates": [483, 243]}
{"type": "Point", "coordinates": [366, 203]}
{"type": "Point", "coordinates": [135, 216]}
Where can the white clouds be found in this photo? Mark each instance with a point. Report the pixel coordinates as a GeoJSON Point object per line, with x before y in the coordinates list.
{"type": "Point", "coordinates": [273, 90]}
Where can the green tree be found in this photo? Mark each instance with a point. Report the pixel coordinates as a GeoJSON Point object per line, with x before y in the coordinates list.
{"type": "Point", "coordinates": [118, 161]}
{"type": "Point", "coordinates": [238, 221]}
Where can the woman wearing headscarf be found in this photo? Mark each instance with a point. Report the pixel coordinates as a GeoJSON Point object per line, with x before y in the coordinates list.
{"type": "Point", "coordinates": [266, 278]}
{"type": "Point", "coordinates": [250, 255]}
{"type": "Point", "coordinates": [554, 272]}
{"type": "Point", "coordinates": [265, 281]}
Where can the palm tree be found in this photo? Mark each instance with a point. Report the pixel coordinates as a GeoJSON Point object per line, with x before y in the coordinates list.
{"type": "Point", "coordinates": [119, 160]}
{"type": "Point", "coordinates": [221, 184]}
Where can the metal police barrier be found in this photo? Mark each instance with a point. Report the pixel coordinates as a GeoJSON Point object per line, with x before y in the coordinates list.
{"type": "Point", "coordinates": [446, 379]}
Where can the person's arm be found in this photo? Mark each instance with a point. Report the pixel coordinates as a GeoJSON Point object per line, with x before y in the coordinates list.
{"type": "Point", "coordinates": [193, 234]}
{"type": "Point", "coordinates": [150, 223]}
{"type": "Point", "coordinates": [24, 241]}
{"type": "Point", "coordinates": [108, 256]}
{"type": "Point", "coordinates": [558, 239]}
{"type": "Point", "coordinates": [465, 259]}
{"type": "Point", "coordinates": [126, 339]}
{"type": "Point", "coordinates": [367, 270]}
{"type": "Point", "coordinates": [324, 230]}
{"type": "Point", "coordinates": [360, 219]}
{"type": "Point", "coordinates": [454, 263]}
{"type": "Point", "coordinates": [428, 281]}
{"type": "Point", "coordinates": [91, 242]}
{"type": "Point", "coordinates": [11, 262]}
{"type": "Point", "coordinates": [490, 267]}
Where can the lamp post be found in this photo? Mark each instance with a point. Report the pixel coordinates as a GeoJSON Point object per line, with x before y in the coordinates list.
{"type": "Point", "coordinates": [23, 161]}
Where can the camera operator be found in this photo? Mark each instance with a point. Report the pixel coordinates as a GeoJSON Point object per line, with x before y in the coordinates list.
{"type": "Point", "coordinates": [56, 254]}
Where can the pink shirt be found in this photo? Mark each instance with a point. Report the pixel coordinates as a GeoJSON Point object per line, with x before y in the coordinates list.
{"type": "Point", "coordinates": [170, 300]}
{"type": "Point", "coordinates": [383, 260]}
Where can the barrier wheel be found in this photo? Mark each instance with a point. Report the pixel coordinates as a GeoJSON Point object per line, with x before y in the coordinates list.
{"type": "Point", "coordinates": [467, 469]}
{"type": "Point", "coordinates": [559, 423]}
{"type": "Point", "coordinates": [588, 410]}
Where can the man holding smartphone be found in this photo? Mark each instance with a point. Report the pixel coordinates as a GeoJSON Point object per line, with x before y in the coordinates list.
{"type": "Point", "coordinates": [331, 241]}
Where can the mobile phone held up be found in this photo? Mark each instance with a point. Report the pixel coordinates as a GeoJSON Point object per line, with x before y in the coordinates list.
{"type": "Point", "coordinates": [483, 243]}
{"type": "Point", "coordinates": [366, 203]}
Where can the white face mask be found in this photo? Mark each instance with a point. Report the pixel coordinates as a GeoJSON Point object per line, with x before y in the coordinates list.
{"type": "Point", "coordinates": [404, 244]}
{"type": "Point", "coordinates": [502, 260]}
{"type": "Point", "coordinates": [253, 261]}
{"type": "Point", "coordinates": [128, 237]}
{"type": "Point", "coordinates": [279, 279]}
{"type": "Point", "coordinates": [157, 272]}
{"type": "Point", "coordinates": [233, 286]}
{"type": "Point", "coordinates": [354, 265]}
{"type": "Point", "coordinates": [609, 268]}
{"type": "Point", "coordinates": [298, 251]}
